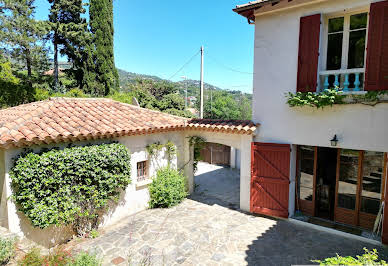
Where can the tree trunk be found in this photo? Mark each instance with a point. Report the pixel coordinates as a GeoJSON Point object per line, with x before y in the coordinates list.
{"type": "Point", "coordinates": [29, 66]}
{"type": "Point", "coordinates": [55, 63]}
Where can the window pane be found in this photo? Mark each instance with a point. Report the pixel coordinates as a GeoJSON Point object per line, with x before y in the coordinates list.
{"type": "Point", "coordinates": [334, 51]}
{"type": "Point", "coordinates": [372, 175]}
{"type": "Point", "coordinates": [306, 172]}
{"type": "Point", "coordinates": [358, 21]}
{"type": "Point", "coordinates": [347, 186]}
{"type": "Point", "coordinates": [336, 24]}
{"type": "Point", "coordinates": [356, 49]}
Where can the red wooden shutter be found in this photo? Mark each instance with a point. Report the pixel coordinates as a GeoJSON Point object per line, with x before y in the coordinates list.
{"type": "Point", "coordinates": [270, 179]}
{"type": "Point", "coordinates": [310, 28]}
{"type": "Point", "coordinates": [376, 76]}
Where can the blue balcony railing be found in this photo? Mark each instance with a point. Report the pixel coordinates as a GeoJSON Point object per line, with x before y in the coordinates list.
{"type": "Point", "coordinates": [349, 80]}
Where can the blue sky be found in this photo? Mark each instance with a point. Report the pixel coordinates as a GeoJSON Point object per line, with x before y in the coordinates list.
{"type": "Point", "coordinates": [157, 37]}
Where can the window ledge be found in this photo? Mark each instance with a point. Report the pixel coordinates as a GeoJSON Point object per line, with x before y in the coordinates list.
{"type": "Point", "coordinates": [143, 183]}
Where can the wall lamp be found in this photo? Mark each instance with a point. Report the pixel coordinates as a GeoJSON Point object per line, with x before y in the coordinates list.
{"type": "Point", "coordinates": [334, 141]}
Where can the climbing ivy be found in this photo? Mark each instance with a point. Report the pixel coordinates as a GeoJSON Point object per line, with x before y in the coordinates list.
{"type": "Point", "coordinates": [198, 143]}
{"type": "Point", "coordinates": [330, 97]}
{"type": "Point", "coordinates": [319, 100]}
{"type": "Point", "coordinates": [70, 186]}
{"type": "Point", "coordinates": [154, 149]}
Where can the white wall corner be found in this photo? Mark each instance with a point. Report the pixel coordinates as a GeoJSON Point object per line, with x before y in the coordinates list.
{"type": "Point", "coordinates": [245, 172]}
{"type": "Point", "coordinates": [291, 201]}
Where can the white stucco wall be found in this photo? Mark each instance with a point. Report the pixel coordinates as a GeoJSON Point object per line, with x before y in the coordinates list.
{"type": "Point", "coordinates": [275, 74]}
{"type": "Point", "coordinates": [276, 65]}
{"type": "Point", "coordinates": [237, 141]}
{"type": "Point", "coordinates": [133, 200]}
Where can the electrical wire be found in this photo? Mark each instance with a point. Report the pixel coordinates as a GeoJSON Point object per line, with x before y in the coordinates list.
{"type": "Point", "coordinates": [188, 62]}
{"type": "Point", "coordinates": [227, 67]}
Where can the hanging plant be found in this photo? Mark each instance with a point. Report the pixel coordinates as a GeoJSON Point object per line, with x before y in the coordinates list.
{"type": "Point", "coordinates": [198, 143]}
{"type": "Point", "coordinates": [319, 100]}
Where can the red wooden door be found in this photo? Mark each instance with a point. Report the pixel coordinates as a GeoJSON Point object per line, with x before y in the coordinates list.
{"type": "Point", "coordinates": [270, 179]}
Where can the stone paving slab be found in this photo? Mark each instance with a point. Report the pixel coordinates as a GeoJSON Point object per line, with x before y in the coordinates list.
{"type": "Point", "coordinates": [196, 233]}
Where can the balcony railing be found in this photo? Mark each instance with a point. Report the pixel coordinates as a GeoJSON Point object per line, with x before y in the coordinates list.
{"type": "Point", "coordinates": [349, 80]}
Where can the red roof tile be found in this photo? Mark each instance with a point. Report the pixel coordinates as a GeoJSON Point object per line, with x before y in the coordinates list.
{"type": "Point", "coordinates": [71, 119]}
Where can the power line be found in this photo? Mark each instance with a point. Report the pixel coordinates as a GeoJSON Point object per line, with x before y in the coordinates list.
{"type": "Point", "coordinates": [188, 62]}
{"type": "Point", "coordinates": [227, 67]}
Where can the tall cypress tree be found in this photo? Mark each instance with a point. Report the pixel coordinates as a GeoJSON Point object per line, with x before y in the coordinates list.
{"type": "Point", "coordinates": [68, 33]}
{"type": "Point", "coordinates": [101, 26]}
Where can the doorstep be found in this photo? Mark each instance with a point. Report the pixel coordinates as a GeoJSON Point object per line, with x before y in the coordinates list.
{"type": "Point", "coordinates": [365, 236]}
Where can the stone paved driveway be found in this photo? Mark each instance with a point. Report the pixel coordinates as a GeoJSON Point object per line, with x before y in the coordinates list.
{"type": "Point", "coordinates": [199, 233]}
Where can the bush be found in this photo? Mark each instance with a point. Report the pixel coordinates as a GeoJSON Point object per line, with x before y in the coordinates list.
{"type": "Point", "coordinates": [167, 188]}
{"type": "Point", "coordinates": [85, 259]}
{"type": "Point", "coordinates": [7, 250]}
{"type": "Point", "coordinates": [369, 258]}
{"type": "Point", "coordinates": [59, 257]}
{"type": "Point", "coordinates": [70, 186]}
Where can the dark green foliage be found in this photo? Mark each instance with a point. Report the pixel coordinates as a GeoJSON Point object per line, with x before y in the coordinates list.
{"type": "Point", "coordinates": [319, 100]}
{"type": "Point", "coordinates": [68, 33]}
{"type": "Point", "coordinates": [369, 258]}
{"type": "Point", "coordinates": [167, 188]}
{"type": "Point", "coordinates": [70, 186]}
{"type": "Point", "coordinates": [101, 26]}
{"type": "Point", "coordinates": [7, 250]}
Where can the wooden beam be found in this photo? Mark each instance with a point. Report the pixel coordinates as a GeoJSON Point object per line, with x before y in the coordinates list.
{"type": "Point", "coordinates": [359, 187]}
{"type": "Point", "coordinates": [337, 183]}
{"type": "Point", "coordinates": [315, 178]}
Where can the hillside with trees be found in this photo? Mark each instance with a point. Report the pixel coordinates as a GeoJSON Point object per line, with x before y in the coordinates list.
{"type": "Point", "coordinates": [30, 69]}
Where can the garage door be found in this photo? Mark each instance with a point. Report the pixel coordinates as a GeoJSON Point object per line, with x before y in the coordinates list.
{"type": "Point", "coordinates": [270, 179]}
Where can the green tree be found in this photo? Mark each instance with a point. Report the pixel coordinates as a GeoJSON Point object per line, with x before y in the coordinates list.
{"type": "Point", "coordinates": [23, 36]}
{"type": "Point", "coordinates": [101, 26]}
{"type": "Point", "coordinates": [221, 105]}
{"type": "Point", "coordinates": [69, 34]}
{"type": "Point", "coordinates": [12, 91]}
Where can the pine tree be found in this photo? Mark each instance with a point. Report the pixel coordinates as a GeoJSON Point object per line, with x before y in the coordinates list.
{"type": "Point", "coordinates": [101, 26]}
{"type": "Point", "coordinates": [23, 36]}
{"type": "Point", "coordinates": [68, 33]}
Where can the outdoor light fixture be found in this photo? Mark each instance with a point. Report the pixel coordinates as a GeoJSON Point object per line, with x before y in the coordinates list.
{"type": "Point", "coordinates": [334, 141]}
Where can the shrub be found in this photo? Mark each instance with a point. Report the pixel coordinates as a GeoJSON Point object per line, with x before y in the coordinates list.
{"type": "Point", "coordinates": [369, 258]}
{"type": "Point", "coordinates": [58, 257]}
{"type": "Point", "coordinates": [167, 188]}
{"type": "Point", "coordinates": [85, 259]}
{"type": "Point", "coordinates": [70, 186]}
{"type": "Point", "coordinates": [7, 250]}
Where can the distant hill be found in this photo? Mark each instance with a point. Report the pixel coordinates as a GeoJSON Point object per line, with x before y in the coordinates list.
{"type": "Point", "coordinates": [130, 77]}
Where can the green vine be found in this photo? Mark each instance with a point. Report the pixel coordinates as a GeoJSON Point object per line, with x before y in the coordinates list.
{"type": "Point", "coordinates": [319, 100]}
{"type": "Point", "coordinates": [330, 97]}
{"type": "Point", "coordinates": [198, 143]}
{"type": "Point", "coordinates": [154, 149]}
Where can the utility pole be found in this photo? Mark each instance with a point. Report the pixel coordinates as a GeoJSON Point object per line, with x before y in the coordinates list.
{"type": "Point", "coordinates": [201, 91]}
{"type": "Point", "coordinates": [184, 80]}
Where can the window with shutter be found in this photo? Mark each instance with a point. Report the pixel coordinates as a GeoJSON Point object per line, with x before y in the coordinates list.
{"type": "Point", "coordinates": [344, 50]}
{"type": "Point", "coordinates": [377, 53]}
{"type": "Point", "coordinates": [309, 34]}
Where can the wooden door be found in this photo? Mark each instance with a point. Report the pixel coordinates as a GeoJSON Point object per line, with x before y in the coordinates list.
{"type": "Point", "coordinates": [270, 179]}
{"type": "Point", "coordinates": [214, 153]}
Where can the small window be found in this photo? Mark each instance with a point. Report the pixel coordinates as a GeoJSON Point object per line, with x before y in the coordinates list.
{"type": "Point", "coordinates": [142, 171]}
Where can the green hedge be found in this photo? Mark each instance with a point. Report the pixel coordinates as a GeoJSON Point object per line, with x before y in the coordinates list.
{"type": "Point", "coordinates": [70, 186]}
{"type": "Point", "coordinates": [167, 188]}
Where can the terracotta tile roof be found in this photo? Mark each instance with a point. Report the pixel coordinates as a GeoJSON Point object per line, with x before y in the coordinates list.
{"type": "Point", "coordinates": [240, 126]}
{"type": "Point", "coordinates": [71, 119]}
